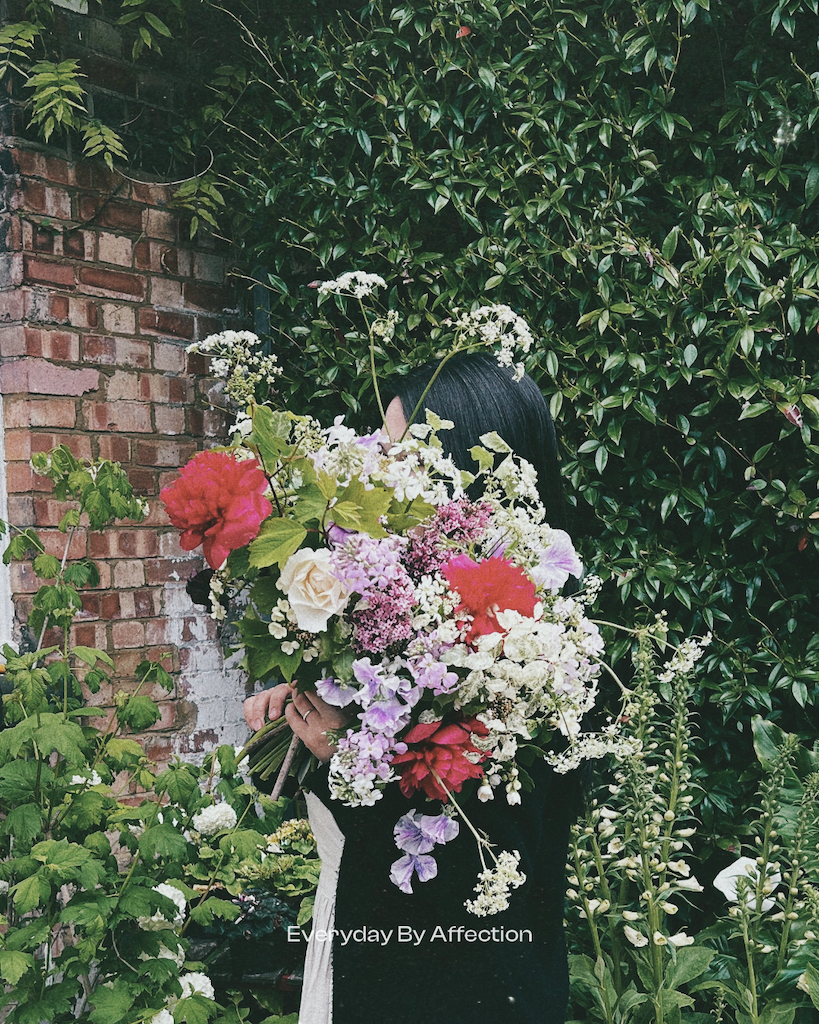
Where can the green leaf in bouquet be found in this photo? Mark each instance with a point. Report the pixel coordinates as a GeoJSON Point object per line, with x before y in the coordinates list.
{"type": "Point", "coordinates": [263, 653]}
{"type": "Point", "coordinates": [270, 432]}
{"type": "Point", "coordinates": [495, 443]}
{"type": "Point", "coordinates": [327, 485]}
{"type": "Point", "coordinates": [311, 504]}
{"type": "Point", "coordinates": [69, 862]}
{"type": "Point", "coordinates": [243, 843]}
{"type": "Point", "coordinates": [360, 509]}
{"type": "Point", "coordinates": [265, 593]}
{"type": "Point", "coordinates": [278, 539]}
{"type": "Point", "coordinates": [402, 517]}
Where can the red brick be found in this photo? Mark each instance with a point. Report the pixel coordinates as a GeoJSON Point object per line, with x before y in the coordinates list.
{"type": "Point", "coordinates": [158, 322]}
{"type": "Point", "coordinates": [13, 307]}
{"type": "Point", "coordinates": [90, 605]}
{"type": "Point", "coordinates": [110, 606]}
{"type": "Point", "coordinates": [23, 579]}
{"type": "Point", "coordinates": [58, 170]}
{"type": "Point", "coordinates": [207, 325]}
{"type": "Point", "coordinates": [74, 244]}
{"type": "Point", "coordinates": [36, 197]}
{"type": "Point", "coordinates": [123, 385]}
{"type": "Point", "coordinates": [49, 511]}
{"type": "Point", "coordinates": [161, 224]}
{"type": "Point", "coordinates": [168, 357]}
{"type": "Point", "coordinates": [146, 603]}
{"type": "Point", "coordinates": [158, 751]}
{"type": "Point", "coordinates": [150, 193]}
{"type": "Point", "coordinates": [116, 249]}
{"type": "Point", "coordinates": [55, 542]}
{"type": "Point", "coordinates": [12, 341]}
{"type": "Point", "coordinates": [78, 444]}
{"type": "Point", "coordinates": [157, 387]}
{"type": "Point", "coordinates": [164, 453]}
{"type": "Point", "coordinates": [95, 175]}
{"type": "Point", "coordinates": [57, 412]}
{"type": "Point", "coordinates": [128, 634]}
{"type": "Point", "coordinates": [20, 479]}
{"type": "Point", "coordinates": [39, 377]}
{"type": "Point", "coordinates": [118, 214]}
{"type": "Point", "coordinates": [208, 296]}
{"type": "Point", "coordinates": [59, 307]}
{"type": "Point", "coordinates": [113, 282]}
{"type": "Point", "coordinates": [27, 162]}
{"type": "Point", "coordinates": [42, 240]}
{"type": "Point", "coordinates": [21, 510]}
{"type": "Point", "coordinates": [169, 421]}
{"type": "Point", "coordinates": [158, 571]}
{"type": "Point", "coordinates": [142, 256]}
{"type": "Point", "coordinates": [116, 351]}
{"type": "Point", "coordinates": [129, 417]}
{"type": "Point", "coordinates": [143, 481]}
{"type": "Point", "coordinates": [115, 448]}
{"type": "Point", "coordinates": [129, 573]}
{"type": "Point", "coordinates": [59, 346]}
{"type": "Point", "coordinates": [41, 272]}
{"type": "Point", "coordinates": [119, 543]}
{"type": "Point", "coordinates": [198, 364]}
{"type": "Point", "coordinates": [90, 634]}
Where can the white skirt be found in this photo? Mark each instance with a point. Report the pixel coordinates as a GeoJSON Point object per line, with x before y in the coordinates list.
{"type": "Point", "coordinates": [317, 994]}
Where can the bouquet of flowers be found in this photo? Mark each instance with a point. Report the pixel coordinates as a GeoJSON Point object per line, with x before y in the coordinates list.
{"type": "Point", "coordinates": [369, 573]}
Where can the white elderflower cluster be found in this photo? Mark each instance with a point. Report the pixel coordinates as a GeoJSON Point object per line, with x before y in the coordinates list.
{"type": "Point", "coordinates": [158, 921]}
{"type": "Point", "coordinates": [354, 282]}
{"type": "Point", "coordinates": [594, 745]}
{"type": "Point", "coordinates": [494, 885]}
{"type": "Point", "coordinates": [384, 327]}
{"type": "Point", "coordinates": [92, 779]}
{"type": "Point", "coordinates": [435, 604]}
{"type": "Point", "coordinates": [213, 819]}
{"type": "Point", "coordinates": [346, 455]}
{"type": "Point", "coordinates": [684, 658]}
{"type": "Point", "coordinates": [499, 327]}
{"type": "Point", "coordinates": [235, 358]}
{"type": "Point", "coordinates": [418, 468]}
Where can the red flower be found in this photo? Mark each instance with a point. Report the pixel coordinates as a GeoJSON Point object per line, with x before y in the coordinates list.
{"type": "Point", "coordinates": [489, 587]}
{"type": "Point", "coordinates": [218, 502]}
{"type": "Point", "coordinates": [439, 749]}
{"type": "Point", "coordinates": [464, 30]}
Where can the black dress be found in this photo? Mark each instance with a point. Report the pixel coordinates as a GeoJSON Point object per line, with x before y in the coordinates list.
{"type": "Point", "coordinates": [423, 957]}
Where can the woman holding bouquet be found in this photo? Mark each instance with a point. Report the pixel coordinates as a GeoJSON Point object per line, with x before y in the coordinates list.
{"type": "Point", "coordinates": [422, 957]}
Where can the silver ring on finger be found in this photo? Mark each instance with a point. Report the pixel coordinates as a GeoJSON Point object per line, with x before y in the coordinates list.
{"type": "Point", "coordinates": [304, 716]}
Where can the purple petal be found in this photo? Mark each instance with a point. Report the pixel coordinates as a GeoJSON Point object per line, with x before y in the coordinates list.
{"type": "Point", "coordinates": [331, 693]}
{"type": "Point", "coordinates": [410, 837]}
{"type": "Point", "coordinates": [558, 562]}
{"type": "Point", "coordinates": [426, 867]}
{"type": "Point", "coordinates": [401, 872]}
{"type": "Point", "coordinates": [440, 828]}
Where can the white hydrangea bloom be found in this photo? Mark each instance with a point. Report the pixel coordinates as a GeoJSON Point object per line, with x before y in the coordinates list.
{"type": "Point", "coordinates": [213, 819]}
{"type": "Point", "coordinates": [158, 921]}
{"type": "Point", "coordinates": [196, 983]}
{"type": "Point", "coordinates": [163, 1017]}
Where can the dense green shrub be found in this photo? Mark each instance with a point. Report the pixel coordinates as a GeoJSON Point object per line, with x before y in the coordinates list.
{"type": "Point", "coordinates": [640, 180]}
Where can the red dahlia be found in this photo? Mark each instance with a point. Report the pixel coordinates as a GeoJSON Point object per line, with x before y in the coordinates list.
{"type": "Point", "coordinates": [488, 587]}
{"type": "Point", "coordinates": [218, 502]}
{"type": "Point", "coordinates": [436, 749]}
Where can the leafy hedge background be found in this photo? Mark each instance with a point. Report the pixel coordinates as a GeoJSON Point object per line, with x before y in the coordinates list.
{"type": "Point", "coordinates": [639, 179]}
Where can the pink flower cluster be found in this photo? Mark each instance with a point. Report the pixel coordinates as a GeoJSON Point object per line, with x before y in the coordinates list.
{"type": "Point", "coordinates": [459, 523]}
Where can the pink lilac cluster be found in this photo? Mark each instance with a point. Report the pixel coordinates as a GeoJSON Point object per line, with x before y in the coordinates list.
{"type": "Point", "coordinates": [459, 522]}
{"type": "Point", "coordinates": [361, 767]}
{"type": "Point", "coordinates": [415, 835]}
{"type": "Point", "coordinates": [372, 567]}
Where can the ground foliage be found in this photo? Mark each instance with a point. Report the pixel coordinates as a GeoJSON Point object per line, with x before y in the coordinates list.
{"type": "Point", "coordinates": [639, 179]}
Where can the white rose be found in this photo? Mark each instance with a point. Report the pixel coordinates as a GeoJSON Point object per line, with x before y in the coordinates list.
{"type": "Point", "coordinates": [313, 591]}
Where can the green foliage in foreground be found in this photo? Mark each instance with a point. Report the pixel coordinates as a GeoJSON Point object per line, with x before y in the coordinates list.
{"type": "Point", "coordinates": [640, 180]}
{"type": "Point", "coordinates": [99, 887]}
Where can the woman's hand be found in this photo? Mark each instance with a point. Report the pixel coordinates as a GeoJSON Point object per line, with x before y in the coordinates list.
{"type": "Point", "coordinates": [307, 715]}
{"type": "Point", "coordinates": [310, 718]}
{"type": "Point", "coordinates": [266, 706]}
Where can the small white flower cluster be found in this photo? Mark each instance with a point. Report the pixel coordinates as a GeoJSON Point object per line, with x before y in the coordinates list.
{"type": "Point", "coordinates": [193, 983]}
{"type": "Point", "coordinates": [494, 885]}
{"type": "Point", "coordinates": [500, 327]}
{"type": "Point", "coordinates": [238, 362]}
{"type": "Point", "coordinates": [216, 818]}
{"type": "Point", "coordinates": [354, 282]}
{"type": "Point", "coordinates": [435, 604]}
{"type": "Point", "coordinates": [384, 327]}
{"type": "Point", "coordinates": [289, 832]}
{"type": "Point", "coordinates": [418, 468]}
{"type": "Point", "coordinates": [346, 456]}
{"type": "Point", "coordinates": [158, 921]}
{"type": "Point", "coordinates": [684, 658]}
{"type": "Point", "coordinates": [85, 780]}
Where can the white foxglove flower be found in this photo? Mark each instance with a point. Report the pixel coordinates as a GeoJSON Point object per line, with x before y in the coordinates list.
{"type": "Point", "coordinates": [681, 939]}
{"type": "Point", "coordinates": [747, 868]}
{"type": "Point", "coordinates": [634, 937]}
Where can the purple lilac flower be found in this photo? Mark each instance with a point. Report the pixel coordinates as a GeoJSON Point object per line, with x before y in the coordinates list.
{"type": "Point", "coordinates": [460, 522]}
{"type": "Point", "coordinates": [557, 563]}
{"type": "Point", "coordinates": [360, 767]}
{"type": "Point", "coordinates": [367, 563]}
{"type": "Point", "coordinates": [402, 870]}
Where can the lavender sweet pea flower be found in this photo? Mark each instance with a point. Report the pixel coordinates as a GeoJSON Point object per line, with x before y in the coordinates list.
{"type": "Point", "coordinates": [332, 693]}
{"type": "Point", "coordinates": [417, 833]}
{"type": "Point", "coordinates": [366, 674]}
{"type": "Point", "coordinates": [386, 717]}
{"type": "Point", "coordinates": [558, 562]}
{"type": "Point", "coordinates": [401, 871]}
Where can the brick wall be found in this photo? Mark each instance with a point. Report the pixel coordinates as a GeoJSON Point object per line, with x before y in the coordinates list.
{"type": "Point", "coordinates": [100, 293]}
